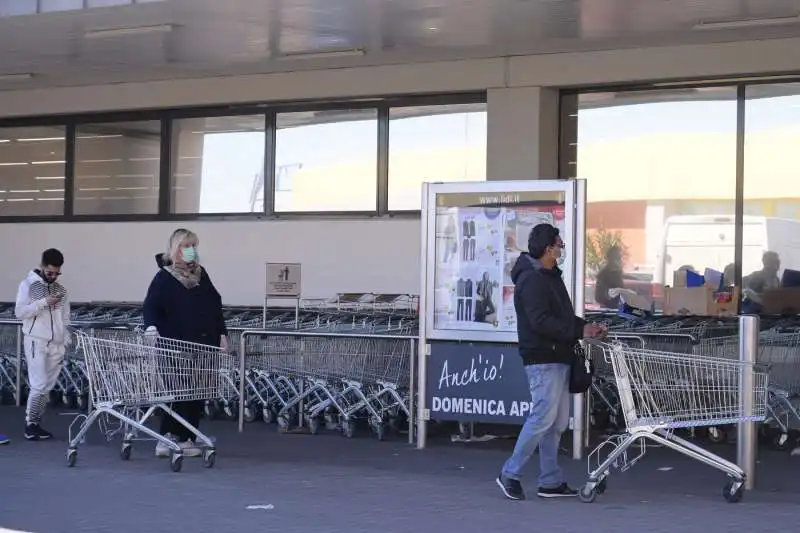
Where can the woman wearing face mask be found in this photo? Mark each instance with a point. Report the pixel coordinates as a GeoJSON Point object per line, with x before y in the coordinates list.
{"type": "Point", "coordinates": [184, 305]}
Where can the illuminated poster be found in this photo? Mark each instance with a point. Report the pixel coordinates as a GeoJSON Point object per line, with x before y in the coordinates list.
{"type": "Point", "coordinates": [479, 237]}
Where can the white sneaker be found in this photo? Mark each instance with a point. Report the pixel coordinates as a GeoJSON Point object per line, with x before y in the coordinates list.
{"type": "Point", "coordinates": [190, 449]}
{"type": "Point", "coordinates": [162, 450]}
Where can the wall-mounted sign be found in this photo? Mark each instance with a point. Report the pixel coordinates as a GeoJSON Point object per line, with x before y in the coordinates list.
{"type": "Point", "coordinates": [283, 280]}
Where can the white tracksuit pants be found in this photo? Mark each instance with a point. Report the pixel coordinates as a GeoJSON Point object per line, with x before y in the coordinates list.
{"type": "Point", "coordinates": [45, 360]}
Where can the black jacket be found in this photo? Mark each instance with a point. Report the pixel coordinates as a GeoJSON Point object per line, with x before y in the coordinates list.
{"type": "Point", "coordinates": [191, 315]}
{"type": "Point", "coordinates": [546, 323]}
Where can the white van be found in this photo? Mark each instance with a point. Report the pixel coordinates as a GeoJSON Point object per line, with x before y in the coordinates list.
{"type": "Point", "coordinates": [709, 241]}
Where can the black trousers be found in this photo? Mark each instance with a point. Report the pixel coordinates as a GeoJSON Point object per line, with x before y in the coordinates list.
{"type": "Point", "coordinates": [189, 411]}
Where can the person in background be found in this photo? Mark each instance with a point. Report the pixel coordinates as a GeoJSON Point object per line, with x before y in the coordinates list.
{"type": "Point", "coordinates": [729, 275]}
{"type": "Point", "coordinates": [44, 310]}
{"type": "Point", "coordinates": [183, 304]}
{"type": "Point", "coordinates": [610, 277]}
{"type": "Point", "coordinates": [548, 332]}
{"type": "Point", "coordinates": [767, 277]}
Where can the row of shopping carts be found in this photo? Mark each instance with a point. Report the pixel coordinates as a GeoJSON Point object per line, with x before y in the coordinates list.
{"type": "Point", "coordinates": [337, 362]}
{"type": "Point", "coordinates": [778, 353]}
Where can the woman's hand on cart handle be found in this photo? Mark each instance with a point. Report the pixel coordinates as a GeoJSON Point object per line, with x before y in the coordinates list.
{"type": "Point", "coordinates": [151, 334]}
{"type": "Point", "coordinates": [594, 331]}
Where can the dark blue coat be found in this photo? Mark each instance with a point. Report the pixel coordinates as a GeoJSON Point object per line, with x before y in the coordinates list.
{"type": "Point", "coordinates": [191, 315]}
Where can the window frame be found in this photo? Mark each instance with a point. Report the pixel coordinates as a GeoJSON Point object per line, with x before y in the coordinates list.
{"type": "Point", "coordinates": [166, 116]}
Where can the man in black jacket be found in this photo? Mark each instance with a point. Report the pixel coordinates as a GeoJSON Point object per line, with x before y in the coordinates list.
{"type": "Point", "coordinates": [548, 331]}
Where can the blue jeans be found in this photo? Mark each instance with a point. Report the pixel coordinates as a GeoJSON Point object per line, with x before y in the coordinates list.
{"type": "Point", "coordinates": [548, 419]}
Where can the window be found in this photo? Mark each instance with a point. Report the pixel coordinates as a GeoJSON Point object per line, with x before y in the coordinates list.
{"type": "Point", "coordinates": [326, 161]}
{"type": "Point", "coordinates": [661, 183]}
{"type": "Point", "coordinates": [107, 3]}
{"type": "Point", "coordinates": [32, 169]}
{"type": "Point", "coordinates": [434, 143]}
{"type": "Point", "coordinates": [117, 168]}
{"type": "Point", "coordinates": [46, 6]}
{"type": "Point", "coordinates": [771, 182]}
{"type": "Point", "coordinates": [218, 165]}
{"type": "Point", "coordinates": [10, 8]}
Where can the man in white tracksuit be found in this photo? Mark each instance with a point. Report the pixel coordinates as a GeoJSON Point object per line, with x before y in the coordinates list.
{"type": "Point", "coordinates": [43, 307]}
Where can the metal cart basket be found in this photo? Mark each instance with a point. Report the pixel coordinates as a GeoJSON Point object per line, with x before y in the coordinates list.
{"type": "Point", "coordinates": [131, 377]}
{"type": "Point", "coordinates": [660, 392]}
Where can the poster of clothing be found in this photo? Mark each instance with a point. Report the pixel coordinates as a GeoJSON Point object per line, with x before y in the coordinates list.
{"type": "Point", "coordinates": [476, 247]}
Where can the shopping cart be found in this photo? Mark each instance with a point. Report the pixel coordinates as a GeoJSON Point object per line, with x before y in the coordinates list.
{"type": "Point", "coordinates": [131, 377]}
{"type": "Point", "coordinates": [662, 391]}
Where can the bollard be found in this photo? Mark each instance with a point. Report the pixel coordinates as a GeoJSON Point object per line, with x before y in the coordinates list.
{"type": "Point", "coordinates": [746, 443]}
{"type": "Point", "coordinates": [579, 421]}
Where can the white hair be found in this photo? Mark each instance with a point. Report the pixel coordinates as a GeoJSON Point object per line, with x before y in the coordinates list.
{"type": "Point", "coordinates": [174, 246]}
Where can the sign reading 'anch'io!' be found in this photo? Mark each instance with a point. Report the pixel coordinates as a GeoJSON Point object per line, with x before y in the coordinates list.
{"type": "Point", "coordinates": [477, 382]}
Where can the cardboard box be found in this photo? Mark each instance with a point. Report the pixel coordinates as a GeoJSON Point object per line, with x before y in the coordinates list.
{"type": "Point", "coordinates": [699, 301]}
{"type": "Point", "coordinates": [781, 301]}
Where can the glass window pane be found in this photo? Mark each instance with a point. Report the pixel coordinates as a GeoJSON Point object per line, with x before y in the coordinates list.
{"type": "Point", "coordinates": [218, 165]}
{"type": "Point", "coordinates": [771, 184]}
{"type": "Point", "coordinates": [434, 143]}
{"type": "Point", "coordinates": [661, 182]}
{"type": "Point", "coordinates": [32, 169]}
{"type": "Point", "coordinates": [327, 161]}
{"type": "Point", "coordinates": [46, 6]}
{"type": "Point", "coordinates": [107, 3]}
{"type": "Point", "coordinates": [117, 168]}
{"type": "Point", "coordinates": [10, 8]}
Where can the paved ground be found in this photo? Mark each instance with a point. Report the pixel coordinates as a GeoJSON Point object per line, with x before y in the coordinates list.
{"type": "Point", "coordinates": [326, 483]}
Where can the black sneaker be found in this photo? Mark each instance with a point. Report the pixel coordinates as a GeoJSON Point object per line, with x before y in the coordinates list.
{"type": "Point", "coordinates": [512, 488]}
{"type": "Point", "coordinates": [562, 491]}
{"type": "Point", "coordinates": [35, 432]}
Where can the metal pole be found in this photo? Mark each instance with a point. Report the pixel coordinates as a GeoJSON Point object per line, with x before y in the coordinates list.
{"type": "Point", "coordinates": [747, 444]}
{"type": "Point", "coordinates": [422, 376]}
{"type": "Point", "coordinates": [242, 379]}
{"type": "Point", "coordinates": [580, 422]}
{"type": "Point", "coordinates": [412, 370]}
{"type": "Point", "coordinates": [20, 355]}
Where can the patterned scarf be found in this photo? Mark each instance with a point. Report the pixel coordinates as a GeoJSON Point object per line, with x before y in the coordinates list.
{"type": "Point", "coordinates": [188, 275]}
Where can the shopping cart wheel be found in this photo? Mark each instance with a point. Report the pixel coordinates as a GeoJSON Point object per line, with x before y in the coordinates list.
{"type": "Point", "coordinates": [717, 434]}
{"type": "Point", "coordinates": [268, 415]}
{"type": "Point", "coordinates": [314, 425]}
{"type": "Point", "coordinates": [72, 457]}
{"type": "Point", "coordinates": [250, 414]}
{"type": "Point", "coordinates": [176, 461]}
{"type": "Point", "coordinates": [378, 427]}
{"type": "Point", "coordinates": [211, 409]}
{"type": "Point", "coordinates": [601, 486]}
{"type": "Point", "coordinates": [209, 457]}
{"type": "Point", "coordinates": [781, 441]}
{"type": "Point", "coordinates": [733, 491]}
{"type": "Point", "coordinates": [125, 452]}
{"type": "Point", "coordinates": [588, 492]}
{"type": "Point", "coordinates": [348, 428]}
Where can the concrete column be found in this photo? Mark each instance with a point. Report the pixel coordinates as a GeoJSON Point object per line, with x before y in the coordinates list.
{"type": "Point", "coordinates": [522, 133]}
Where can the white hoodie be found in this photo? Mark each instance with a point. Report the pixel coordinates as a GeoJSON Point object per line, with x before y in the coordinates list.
{"type": "Point", "coordinates": [40, 321]}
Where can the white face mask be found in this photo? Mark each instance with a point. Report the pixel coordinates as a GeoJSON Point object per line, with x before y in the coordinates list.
{"type": "Point", "coordinates": [561, 256]}
{"type": "Point", "coordinates": [190, 254]}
